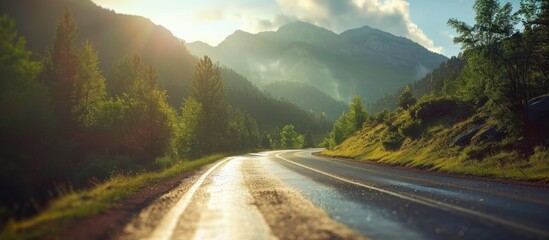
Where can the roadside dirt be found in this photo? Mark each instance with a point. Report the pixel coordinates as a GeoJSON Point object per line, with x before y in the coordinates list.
{"type": "Point", "coordinates": [111, 224]}
{"type": "Point", "coordinates": [289, 214]}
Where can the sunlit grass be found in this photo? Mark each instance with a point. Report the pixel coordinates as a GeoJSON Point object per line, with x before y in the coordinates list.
{"type": "Point", "coordinates": [433, 152]}
{"type": "Point", "coordinates": [77, 204]}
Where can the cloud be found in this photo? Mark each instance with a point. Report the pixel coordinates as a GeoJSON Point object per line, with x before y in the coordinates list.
{"type": "Point", "coordinates": [259, 25]}
{"type": "Point", "coordinates": [215, 14]}
{"type": "Point", "coordinates": [392, 16]}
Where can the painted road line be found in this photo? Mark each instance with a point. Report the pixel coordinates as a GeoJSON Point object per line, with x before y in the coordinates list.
{"type": "Point", "coordinates": [164, 230]}
{"type": "Point", "coordinates": [425, 201]}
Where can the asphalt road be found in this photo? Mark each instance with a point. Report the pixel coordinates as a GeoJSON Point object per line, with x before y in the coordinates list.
{"type": "Point", "coordinates": [295, 195]}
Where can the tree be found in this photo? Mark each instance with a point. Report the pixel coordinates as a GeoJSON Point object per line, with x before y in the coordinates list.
{"type": "Point", "coordinates": [406, 100]}
{"type": "Point", "coordinates": [89, 88]}
{"type": "Point", "coordinates": [123, 73]}
{"type": "Point", "coordinates": [308, 140]}
{"type": "Point", "coordinates": [191, 113]}
{"type": "Point", "coordinates": [64, 63]}
{"type": "Point", "coordinates": [27, 147]}
{"type": "Point", "coordinates": [289, 138]}
{"type": "Point", "coordinates": [501, 62]}
{"type": "Point", "coordinates": [357, 114]}
{"type": "Point", "coordinates": [242, 130]}
{"type": "Point", "coordinates": [348, 123]}
{"type": "Point", "coordinates": [207, 88]}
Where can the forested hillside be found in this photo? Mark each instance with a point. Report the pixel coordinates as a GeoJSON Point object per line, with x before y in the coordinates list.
{"type": "Point", "coordinates": [442, 80]}
{"type": "Point", "coordinates": [116, 36]}
{"type": "Point", "coordinates": [485, 113]}
{"type": "Point", "coordinates": [72, 118]}
{"type": "Point", "coordinates": [307, 97]}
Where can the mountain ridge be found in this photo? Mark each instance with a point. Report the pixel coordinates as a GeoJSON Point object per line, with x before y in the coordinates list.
{"type": "Point", "coordinates": [364, 61]}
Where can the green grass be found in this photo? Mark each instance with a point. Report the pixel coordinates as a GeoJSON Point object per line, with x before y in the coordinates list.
{"type": "Point", "coordinates": [97, 199]}
{"type": "Point", "coordinates": [432, 152]}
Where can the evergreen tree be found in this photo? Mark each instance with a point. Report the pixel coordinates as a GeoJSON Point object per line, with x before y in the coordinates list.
{"type": "Point", "coordinates": [357, 114]}
{"type": "Point", "coordinates": [26, 124]}
{"type": "Point", "coordinates": [207, 88]}
{"type": "Point", "coordinates": [191, 113]}
{"type": "Point", "coordinates": [89, 89]}
{"type": "Point", "coordinates": [406, 100]}
{"type": "Point", "coordinates": [289, 138]}
{"type": "Point", "coordinates": [64, 63]}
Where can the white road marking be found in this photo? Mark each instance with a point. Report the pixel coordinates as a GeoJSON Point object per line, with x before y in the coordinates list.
{"type": "Point", "coordinates": [164, 230]}
{"type": "Point", "coordinates": [425, 201]}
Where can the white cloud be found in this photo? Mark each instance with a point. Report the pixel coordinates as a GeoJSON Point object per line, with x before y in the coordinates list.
{"type": "Point", "coordinates": [392, 16]}
{"type": "Point", "coordinates": [259, 25]}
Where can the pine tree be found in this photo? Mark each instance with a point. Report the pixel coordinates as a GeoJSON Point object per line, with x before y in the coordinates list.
{"type": "Point", "coordinates": [406, 100]}
{"type": "Point", "coordinates": [289, 138]}
{"type": "Point", "coordinates": [89, 88]}
{"type": "Point", "coordinates": [65, 64]}
{"type": "Point", "coordinates": [357, 114]}
{"type": "Point", "coordinates": [207, 88]}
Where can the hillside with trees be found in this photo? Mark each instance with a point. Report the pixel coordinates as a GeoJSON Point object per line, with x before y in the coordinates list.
{"type": "Point", "coordinates": [66, 126]}
{"type": "Point", "coordinates": [484, 113]}
{"type": "Point", "coordinates": [116, 36]}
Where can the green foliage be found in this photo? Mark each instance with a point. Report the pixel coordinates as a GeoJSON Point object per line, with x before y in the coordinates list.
{"type": "Point", "coordinates": [357, 114]}
{"type": "Point", "coordinates": [289, 138]}
{"type": "Point", "coordinates": [207, 88]}
{"type": "Point", "coordinates": [31, 156]}
{"type": "Point", "coordinates": [242, 130]}
{"type": "Point", "coordinates": [191, 113]}
{"type": "Point", "coordinates": [406, 100]}
{"type": "Point", "coordinates": [411, 128]}
{"type": "Point", "coordinates": [64, 70]}
{"type": "Point", "coordinates": [432, 109]}
{"type": "Point", "coordinates": [308, 141]}
{"type": "Point", "coordinates": [89, 88]}
{"type": "Point", "coordinates": [348, 123]}
{"type": "Point", "coordinates": [391, 140]}
{"type": "Point", "coordinates": [505, 68]}
{"type": "Point", "coordinates": [123, 73]}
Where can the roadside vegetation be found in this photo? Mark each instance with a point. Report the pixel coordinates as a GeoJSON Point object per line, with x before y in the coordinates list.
{"type": "Point", "coordinates": [483, 113]}
{"type": "Point", "coordinates": [77, 204]}
{"type": "Point", "coordinates": [64, 129]}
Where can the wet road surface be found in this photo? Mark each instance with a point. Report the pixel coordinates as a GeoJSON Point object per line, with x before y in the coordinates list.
{"type": "Point", "coordinates": [295, 195]}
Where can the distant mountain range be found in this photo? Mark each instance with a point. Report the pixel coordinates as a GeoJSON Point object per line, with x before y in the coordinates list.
{"type": "Point", "coordinates": [116, 35]}
{"type": "Point", "coordinates": [363, 61]}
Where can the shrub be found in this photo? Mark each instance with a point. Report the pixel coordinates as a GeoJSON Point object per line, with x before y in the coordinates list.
{"type": "Point", "coordinates": [434, 109]}
{"type": "Point", "coordinates": [411, 128]}
{"type": "Point", "coordinates": [391, 140]}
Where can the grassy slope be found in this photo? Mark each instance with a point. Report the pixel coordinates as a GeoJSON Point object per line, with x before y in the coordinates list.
{"type": "Point", "coordinates": [433, 152]}
{"type": "Point", "coordinates": [100, 198]}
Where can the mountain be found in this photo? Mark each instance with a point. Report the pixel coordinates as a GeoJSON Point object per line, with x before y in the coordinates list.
{"type": "Point", "coordinates": [441, 80]}
{"type": "Point", "coordinates": [363, 61]}
{"type": "Point", "coordinates": [307, 97]}
{"type": "Point", "coordinates": [116, 35]}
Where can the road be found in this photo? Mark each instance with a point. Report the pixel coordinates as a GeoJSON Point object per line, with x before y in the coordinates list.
{"type": "Point", "coordinates": [293, 194]}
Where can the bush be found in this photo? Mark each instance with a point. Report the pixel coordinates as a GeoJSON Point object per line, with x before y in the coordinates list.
{"type": "Point", "coordinates": [391, 140]}
{"type": "Point", "coordinates": [412, 129]}
{"type": "Point", "coordinates": [101, 167]}
{"type": "Point", "coordinates": [435, 109]}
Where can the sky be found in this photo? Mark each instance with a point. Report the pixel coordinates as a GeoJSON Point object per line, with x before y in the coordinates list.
{"type": "Point", "coordinates": [211, 21]}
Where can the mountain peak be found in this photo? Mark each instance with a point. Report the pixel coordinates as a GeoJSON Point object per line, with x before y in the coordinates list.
{"type": "Point", "coordinates": [303, 27]}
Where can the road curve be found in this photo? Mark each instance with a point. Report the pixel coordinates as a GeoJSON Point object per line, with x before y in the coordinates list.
{"type": "Point", "coordinates": [294, 195]}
